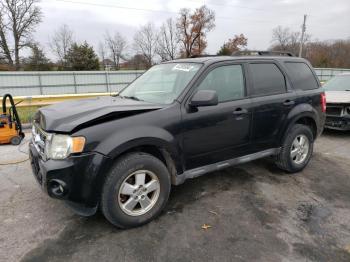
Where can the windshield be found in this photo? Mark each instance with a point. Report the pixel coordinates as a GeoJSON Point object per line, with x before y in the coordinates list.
{"type": "Point", "coordinates": [338, 83]}
{"type": "Point", "coordinates": [162, 83]}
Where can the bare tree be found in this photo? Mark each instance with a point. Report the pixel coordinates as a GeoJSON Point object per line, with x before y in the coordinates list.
{"type": "Point", "coordinates": [331, 53]}
{"type": "Point", "coordinates": [281, 36]}
{"type": "Point", "coordinates": [193, 28]}
{"type": "Point", "coordinates": [61, 42]}
{"type": "Point", "coordinates": [145, 41]}
{"type": "Point", "coordinates": [18, 19]}
{"type": "Point", "coordinates": [285, 39]}
{"type": "Point", "coordinates": [116, 46]}
{"type": "Point", "coordinates": [168, 41]}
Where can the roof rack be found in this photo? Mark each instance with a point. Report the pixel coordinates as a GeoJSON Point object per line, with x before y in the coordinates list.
{"type": "Point", "coordinates": [196, 56]}
{"type": "Point", "coordinates": [262, 53]}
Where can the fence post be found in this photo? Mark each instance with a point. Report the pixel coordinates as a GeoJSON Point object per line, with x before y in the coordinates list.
{"type": "Point", "coordinates": [107, 80]}
{"type": "Point", "coordinates": [75, 84]}
{"type": "Point", "coordinates": [40, 84]}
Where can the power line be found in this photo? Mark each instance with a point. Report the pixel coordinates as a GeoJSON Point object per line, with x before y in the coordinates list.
{"type": "Point", "coordinates": [225, 5]}
{"type": "Point", "coordinates": [155, 10]}
{"type": "Point", "coordinates": [117, 6]}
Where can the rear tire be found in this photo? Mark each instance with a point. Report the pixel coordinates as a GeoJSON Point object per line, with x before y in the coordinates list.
{"type": "Point", "coordinates": [135, 191]}
{"type": "Point", "coordinates": [297, 149]}
{"type": "Point", "coordinates": [16, 140]}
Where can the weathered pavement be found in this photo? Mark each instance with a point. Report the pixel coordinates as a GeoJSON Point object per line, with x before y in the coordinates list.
{"type": "Point", "coordinates": [257, 213]}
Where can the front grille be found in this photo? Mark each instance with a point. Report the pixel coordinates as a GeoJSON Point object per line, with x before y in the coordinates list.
{"type": "Point", "coordinates": [334, 110]}
{"type": "Point", "coordinates": [35, 167]}
{"type": "Point", "coordinates": [39, 138]}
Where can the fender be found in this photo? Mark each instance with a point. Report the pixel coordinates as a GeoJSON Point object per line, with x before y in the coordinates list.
{"type": "Point", "coordinates": [298, 112]}
{"type": "Point", "coordinates": [124, 140]}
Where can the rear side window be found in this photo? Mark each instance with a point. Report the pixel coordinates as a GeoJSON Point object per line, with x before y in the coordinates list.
{"type": "Point", "coordinates": [301, 76]}
{"type": "Point", "coordinates": [267, 79]}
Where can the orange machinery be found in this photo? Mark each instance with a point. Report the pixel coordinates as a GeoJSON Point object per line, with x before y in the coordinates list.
{"type": "Point", "coordinates": [10, 124]}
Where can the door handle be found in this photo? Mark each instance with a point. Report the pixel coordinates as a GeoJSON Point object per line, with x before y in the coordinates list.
{"type": "Point", "coordinates": [240, 111]}
{"type": "Point", "coordinates": [288, 102]}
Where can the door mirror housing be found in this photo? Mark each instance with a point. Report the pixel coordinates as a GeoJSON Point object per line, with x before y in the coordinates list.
{"type": "Point", "coordinates": [204, 98]}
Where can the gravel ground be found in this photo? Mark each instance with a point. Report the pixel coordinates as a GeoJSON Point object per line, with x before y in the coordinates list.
{"type": "Point", "coordinates": [256, 213]}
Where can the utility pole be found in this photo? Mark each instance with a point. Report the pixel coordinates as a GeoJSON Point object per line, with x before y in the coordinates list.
{"type": "Point", "coordinates": [303, 29]}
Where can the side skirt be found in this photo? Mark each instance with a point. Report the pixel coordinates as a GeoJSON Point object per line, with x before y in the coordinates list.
{"type": "Point", "coordinates": [196, 172]}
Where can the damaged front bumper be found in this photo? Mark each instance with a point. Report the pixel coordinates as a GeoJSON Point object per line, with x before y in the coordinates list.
{"type": "Point", "coordinates": [77, 180]}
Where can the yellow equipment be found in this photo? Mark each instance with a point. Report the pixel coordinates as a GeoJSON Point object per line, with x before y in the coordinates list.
{"type": "Point", "coordinates": [10, 124]}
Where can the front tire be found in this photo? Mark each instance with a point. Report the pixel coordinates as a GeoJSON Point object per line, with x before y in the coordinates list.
{"type": "Point", "coordinates": [296, 150]}
{"type": "Point", "coordinates": [135, 191]}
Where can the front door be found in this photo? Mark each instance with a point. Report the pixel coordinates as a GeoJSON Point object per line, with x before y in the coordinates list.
{"type": "Point", "coordinates": [215, 133]}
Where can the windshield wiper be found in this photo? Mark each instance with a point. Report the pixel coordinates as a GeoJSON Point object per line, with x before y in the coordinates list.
{"type": "Point", "coordinates": [132, 97]}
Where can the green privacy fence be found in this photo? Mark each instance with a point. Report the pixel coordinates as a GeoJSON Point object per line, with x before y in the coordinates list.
{"type": "Point", "coordinates": [82, 82]}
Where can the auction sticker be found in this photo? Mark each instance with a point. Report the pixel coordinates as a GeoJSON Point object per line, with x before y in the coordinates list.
{"type": "Point", "coordinates": [183, 67]}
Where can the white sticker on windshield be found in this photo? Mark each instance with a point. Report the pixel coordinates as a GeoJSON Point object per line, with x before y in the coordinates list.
{"type": "Point", "coordinates": [183, 67]}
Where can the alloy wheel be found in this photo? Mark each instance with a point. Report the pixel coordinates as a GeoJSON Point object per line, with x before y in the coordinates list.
{"type": "Point", "coordinates": [300, 149]}
{"type": "Point", "coordinates": [139, 192]}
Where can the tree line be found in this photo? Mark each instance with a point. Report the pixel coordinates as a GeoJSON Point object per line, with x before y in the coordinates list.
{"type": "Point", "coordinates": [183, 36]}
{"type": "Point", "coordinates": [331, 53]}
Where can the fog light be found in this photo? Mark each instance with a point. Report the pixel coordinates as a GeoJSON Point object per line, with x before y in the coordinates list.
{"type": "Point", "coordinates": [57, 188]}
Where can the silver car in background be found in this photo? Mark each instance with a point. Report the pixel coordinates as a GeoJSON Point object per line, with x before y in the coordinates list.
{"type": "Point", "coordinates": [338, 102]}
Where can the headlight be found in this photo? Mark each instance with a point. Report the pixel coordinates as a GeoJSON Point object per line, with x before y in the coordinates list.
{"type": "Point", "coordinates": [61, 146]}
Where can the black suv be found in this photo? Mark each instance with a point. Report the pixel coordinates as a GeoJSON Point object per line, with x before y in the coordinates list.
{"type": "Point", "coordinates": [179, 120]}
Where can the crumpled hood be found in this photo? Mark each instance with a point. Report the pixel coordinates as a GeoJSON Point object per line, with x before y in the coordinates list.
{"type": "Point", "coordinates": [338, 97]}
{"type": "Point", "coordinates": [70, 115]}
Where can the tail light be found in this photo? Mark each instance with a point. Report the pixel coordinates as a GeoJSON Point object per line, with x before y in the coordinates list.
{"type": "Point", "coordinates": [323, 102]}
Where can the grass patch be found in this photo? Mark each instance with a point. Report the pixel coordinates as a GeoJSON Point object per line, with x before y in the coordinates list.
{"type": "Point", "coordinates": [26, 113]}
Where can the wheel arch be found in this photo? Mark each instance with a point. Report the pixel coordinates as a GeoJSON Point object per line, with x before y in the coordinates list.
{"type": "Point", "coordinates": [310, 122]}
{"type": "Point", "coordinates": [303, 114]}
{"type": "Point", "coordinates": [153, 146]}
{"type": "Point", "coordinates": [167, 152]}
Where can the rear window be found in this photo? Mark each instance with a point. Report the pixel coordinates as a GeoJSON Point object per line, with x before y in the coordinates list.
{"type": "Point", "coordinates": [301, 76]}
{"type": "Point", "coordinates": [267, 79]}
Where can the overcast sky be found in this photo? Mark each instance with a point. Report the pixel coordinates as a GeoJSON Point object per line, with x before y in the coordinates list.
{"type": "Point", "coordinates": [90, 19]}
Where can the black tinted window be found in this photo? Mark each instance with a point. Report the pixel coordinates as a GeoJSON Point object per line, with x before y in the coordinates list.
{"type": "Point", "coordinates": [227, 81]}
{"type": "Point", "coordinates": [267, 79]}
{"type": "Point", "coordinates": [301, 76]}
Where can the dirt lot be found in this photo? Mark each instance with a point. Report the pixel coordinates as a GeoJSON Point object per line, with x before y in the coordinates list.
{"type": "Point", "coordinates": [257, 213]}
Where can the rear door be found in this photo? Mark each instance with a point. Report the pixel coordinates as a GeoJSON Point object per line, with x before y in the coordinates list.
{"type": "Point", "coordinates": [272, 100]}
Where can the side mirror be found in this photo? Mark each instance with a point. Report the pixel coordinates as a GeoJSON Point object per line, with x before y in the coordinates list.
{"type": "Point", "coordinates": [204, 98]}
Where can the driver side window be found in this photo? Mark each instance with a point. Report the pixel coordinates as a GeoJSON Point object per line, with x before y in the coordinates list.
{"type": "Point", "coordinates": [227, 81]}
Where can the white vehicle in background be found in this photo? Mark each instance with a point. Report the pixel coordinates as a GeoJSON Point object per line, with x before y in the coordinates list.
{"type": "Point", "coordinates": [338, 102]}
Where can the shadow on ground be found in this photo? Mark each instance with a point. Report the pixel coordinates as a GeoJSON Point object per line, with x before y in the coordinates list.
{"type": "Point", "coordinates": [257, 213]}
